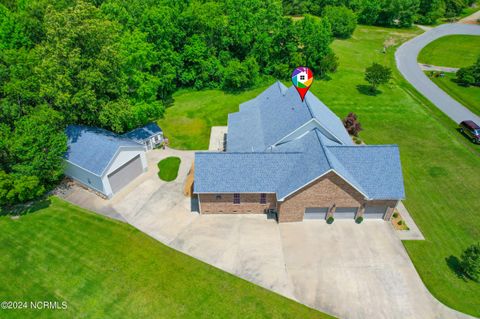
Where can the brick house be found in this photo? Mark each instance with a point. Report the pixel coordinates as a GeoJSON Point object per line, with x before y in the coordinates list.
{"type": "Point", "coordinates": [297, 159]}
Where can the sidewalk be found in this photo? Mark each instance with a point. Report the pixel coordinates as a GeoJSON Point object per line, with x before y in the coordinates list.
{"type": "Point", "coordinates": [414, 232]}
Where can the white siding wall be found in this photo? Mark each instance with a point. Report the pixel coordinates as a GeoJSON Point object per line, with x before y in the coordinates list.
{"type": "Point", "coordinates": [122, 157]}
{"type": "Point", "coordinates": [84, 177]}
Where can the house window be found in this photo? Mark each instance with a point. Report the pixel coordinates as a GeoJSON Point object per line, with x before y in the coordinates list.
{"type": "Point", "coordinates": [236, 198]}
{"type": "Point", "coordinates": [302, 77]}
{"type": "Point", "coordinates": [218, 197]}
{"type": "Point", "coordinates": [263, 198]}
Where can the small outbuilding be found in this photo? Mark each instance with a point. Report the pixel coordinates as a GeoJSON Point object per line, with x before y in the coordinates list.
{"type": "Point", "coordinates": [102, 160]}
{"type": "Point", "coordinates": [149, 135]}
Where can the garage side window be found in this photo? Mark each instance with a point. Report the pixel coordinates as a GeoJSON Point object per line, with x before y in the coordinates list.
{"type": "Point", "coordinates": [263, 198]}
{"type": "Point", "coordinates": [236, 198]}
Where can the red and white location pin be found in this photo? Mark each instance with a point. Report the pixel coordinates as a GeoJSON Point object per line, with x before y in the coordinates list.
{"type": "Point", "coordinates": [302, 79]}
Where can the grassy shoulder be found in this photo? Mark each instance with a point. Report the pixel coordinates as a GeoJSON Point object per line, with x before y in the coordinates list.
{"type": "Point", "coordinates": [168, 168]}
{"type": "Point", "coordinates": [440, 166]}
{"type": "Point", "coordinates": [454, 51]}
{"type": "Point", "coordinates": [106, 269]}
{"type": "Point", "coordinates": [468, 96]}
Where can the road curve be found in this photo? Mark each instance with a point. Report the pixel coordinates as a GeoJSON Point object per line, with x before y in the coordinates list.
{"type": "Point", "coordinates": [406, 58]}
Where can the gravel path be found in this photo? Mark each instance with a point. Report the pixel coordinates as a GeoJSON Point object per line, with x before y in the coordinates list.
{"type": "Point", "coordinates": [406, 58]}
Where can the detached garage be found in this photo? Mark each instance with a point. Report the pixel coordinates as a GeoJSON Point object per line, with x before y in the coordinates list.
{"type": "Point", "coordinates": [102, 160]}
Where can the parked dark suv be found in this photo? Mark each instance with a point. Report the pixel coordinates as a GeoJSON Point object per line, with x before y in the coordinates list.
{"type": "Point", "coordinates": [471, 129]}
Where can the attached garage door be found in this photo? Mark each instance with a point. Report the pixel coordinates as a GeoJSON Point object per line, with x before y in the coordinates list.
{"type": "Point", "coordinates": [374, 212]}
{"type": "Point", "coordinates": [316, 213]}
{"type": "Point", "coordinates": [345, 212]}
{"type": "Point", "coordinates": [125, 174]}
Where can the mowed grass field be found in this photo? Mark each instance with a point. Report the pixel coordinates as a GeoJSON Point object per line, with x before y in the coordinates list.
{"type": "Point", "coordinates": [107, 269]}
{"type": "Point", "coordinates": [454, 51]}
{"type": "Point", "coordinates": [468, 96]}
{"type": "Point", "coordinates": [441, 168]}
{"type": "Point", "coordinates": [188, 121]}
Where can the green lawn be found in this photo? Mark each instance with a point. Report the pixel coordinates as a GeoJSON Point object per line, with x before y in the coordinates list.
{"type": "Point", "coordinates": [187, 123]}
{"type": "Point", "coordinates": [107, 269]}
{"type": "Point", "coordinates": [455, 51]}
{"type": "Point", "coordinates": [468, 96]}
{"type": "Point", "coordinates": [440, 166]}
{"type": "Point", "coordinates": [168, 168]}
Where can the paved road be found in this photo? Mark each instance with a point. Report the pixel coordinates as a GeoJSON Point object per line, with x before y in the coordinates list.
{"type": "Point", "coordinates": [406, 57]}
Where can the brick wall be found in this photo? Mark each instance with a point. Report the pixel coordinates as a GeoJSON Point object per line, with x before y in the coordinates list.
{"type": "Point", "coordinates": [249, 204]}
{"type": "Point", "coordinates": [327, 191]}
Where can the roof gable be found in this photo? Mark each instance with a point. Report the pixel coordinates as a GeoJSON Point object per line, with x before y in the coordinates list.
{"type": "Point", "coordinates": [143, 133]}
{"type": "Point", "coordinates": [93, 148]}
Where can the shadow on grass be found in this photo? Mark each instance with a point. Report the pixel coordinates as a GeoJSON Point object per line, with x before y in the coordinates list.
{"type": "Point", "coordinates": [367, 90]}
{"type": "Point", "coordinates": [454, 264]}
{"type": "Point", "coordinates": [25, 209]}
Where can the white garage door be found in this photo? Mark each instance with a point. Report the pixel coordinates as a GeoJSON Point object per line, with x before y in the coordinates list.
{"type": "Point", "coordinates": [345, 212]}
{"type": "Point", "coordinates": [315, 213]}
{"type": "Point", "coordinates": [125, 174]}
{"type": "Point", "coordinates": [374, 212]}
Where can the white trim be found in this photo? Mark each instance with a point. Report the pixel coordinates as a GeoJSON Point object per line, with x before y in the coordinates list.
{"type": "Point", "coordinates": [119, 149]}
{"type": "Point", "coordinates": [298, 128]}
{"type": "Point", "coordinates": [318, 177]}
{"type": "Point", "coordinates": [319, 126]}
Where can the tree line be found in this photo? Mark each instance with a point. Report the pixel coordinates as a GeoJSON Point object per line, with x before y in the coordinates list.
{"type": "Point", "coordinates": [402, 13]}
{"type": "Point", "coordinates": [115, 64]}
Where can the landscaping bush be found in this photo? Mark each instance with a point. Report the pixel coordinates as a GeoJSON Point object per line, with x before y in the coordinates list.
{"type": "Point", "coordinates": [342, 20]}
{"type": "Point", "coordinates": [469, 75]}
{"type": "Point", "coordinates": [352, 124]}
{"type": "Point", "coordinates": [359, 220]}
{"type": "Point", "coordinates": [395, 215]}
{"type": "Point", "coordinates": [400, 222]}
{"type": "Point", "coordinates": [470, 262]}
{"type": "Point", "coordinates": [168, 168]}
{"type": "Point", "coordinates": [330, 220]}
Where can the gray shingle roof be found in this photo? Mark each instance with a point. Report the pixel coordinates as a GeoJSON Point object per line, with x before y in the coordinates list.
{"type": "Point", "coordinates": [93, 148]}
{"type": "Point", "coordinates": [144, 133]}
{"type": "Point", "coordinates": [255, 162]}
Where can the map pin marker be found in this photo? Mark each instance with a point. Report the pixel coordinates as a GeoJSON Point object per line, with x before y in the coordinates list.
{"type": "Point", "coordinates": [302, 79]}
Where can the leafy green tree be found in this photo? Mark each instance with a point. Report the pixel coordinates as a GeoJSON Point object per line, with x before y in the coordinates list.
{"type": "Point", "coordinates": [342, 20]}
{"type": "Point", "coordinates": [430, 11]}
{"type": "Point", "coordinates": [377, 74]}
{"type": "Point", "coordinates": [400, 13]}
{"type": "Point", "coordinates": [470, 262]}
{"type": "Point", "coordinates": [315, 37]}
{"type": "Point", "coordinates": [15, 188]}
{"type": "Point", "coordinates": [328, 64]}
{"type": "Point", "coordinates": [38, 145]}
{"type": "Point", "coordinates": [368, 11]}
{"type": "Point", "coordinates": [240, 75]}
{"type": "Point", "coordinates": [12, 33]}
{"type": "Point", "coordinates": [80, 68]}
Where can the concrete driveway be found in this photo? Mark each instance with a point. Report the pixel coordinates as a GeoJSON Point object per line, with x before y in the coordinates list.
{"type": "Point", "coordinates": [406, 58]}
{"type": "Point", "coordinates": [345, 269]}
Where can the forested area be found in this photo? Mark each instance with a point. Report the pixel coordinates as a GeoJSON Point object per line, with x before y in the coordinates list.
{"type": "Point", "coordinates": [385, 12]}
{"type": "Point", "coordinates": [114, 64]}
